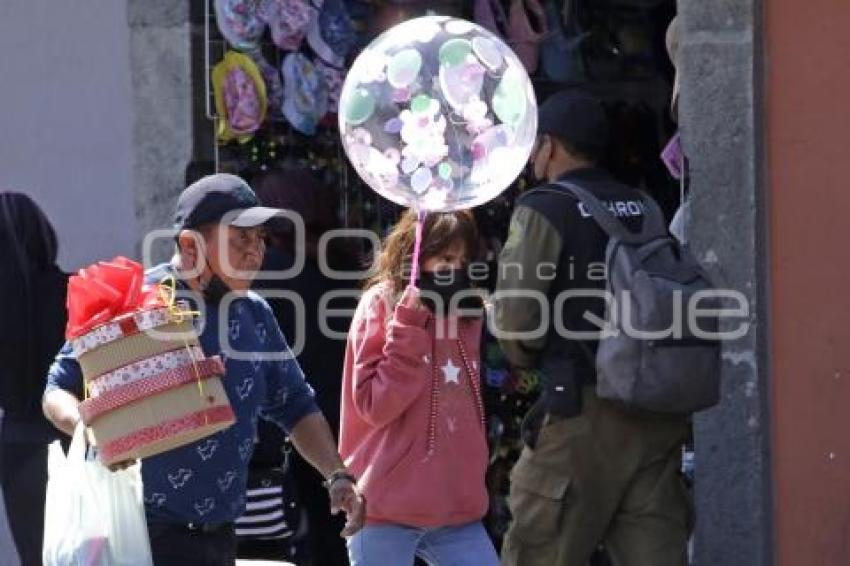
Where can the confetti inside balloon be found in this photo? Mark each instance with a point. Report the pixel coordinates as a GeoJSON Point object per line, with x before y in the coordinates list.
{"type": "Point", "coordinates": [438, 114]}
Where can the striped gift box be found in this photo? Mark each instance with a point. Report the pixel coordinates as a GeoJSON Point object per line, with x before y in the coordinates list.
{"type": "Point", "coordinates": [150, 387]}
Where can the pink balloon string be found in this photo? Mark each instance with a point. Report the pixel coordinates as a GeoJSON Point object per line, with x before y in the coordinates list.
{"type": "Point", "coordinates": [417, 245]}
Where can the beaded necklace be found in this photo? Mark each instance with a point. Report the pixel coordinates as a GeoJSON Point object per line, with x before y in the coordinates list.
{"type": "Point", "coordinates": [474, 386]}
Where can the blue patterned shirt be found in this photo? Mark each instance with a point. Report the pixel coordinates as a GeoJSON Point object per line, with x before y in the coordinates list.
{"type": "Point", "coordinates": [205, 482]}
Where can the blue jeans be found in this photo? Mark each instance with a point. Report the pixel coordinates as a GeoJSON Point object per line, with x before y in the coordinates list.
{"type": "Point", "coordinates": [396, 545]}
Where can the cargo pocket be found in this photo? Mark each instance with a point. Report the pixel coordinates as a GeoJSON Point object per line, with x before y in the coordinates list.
{"type": "Point", "coordinates": [536, 502]}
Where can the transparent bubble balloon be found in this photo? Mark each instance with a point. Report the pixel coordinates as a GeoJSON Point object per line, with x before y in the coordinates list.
{"type": "Point", "coordinates": [438, 114]}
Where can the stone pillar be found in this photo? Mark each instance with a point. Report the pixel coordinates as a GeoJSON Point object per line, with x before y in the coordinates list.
{"type": "Point", "coordinates": [162, 111]}
{"type": "Point", "coordinates": [720, 116]}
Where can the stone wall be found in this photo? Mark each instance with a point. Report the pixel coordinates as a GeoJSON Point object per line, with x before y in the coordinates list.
{"type": "Point", "coordinates": [66, 100]}
{"type": "Point", "coordinates": [720, 113]}
{"type": "Point", "coordinates": [162, 118]}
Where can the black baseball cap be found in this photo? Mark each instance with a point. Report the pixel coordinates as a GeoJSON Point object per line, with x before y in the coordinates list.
{"type": "Point", "coordinates": [577, 118]}
{"type": "Point", "coordinates": [212, 197]}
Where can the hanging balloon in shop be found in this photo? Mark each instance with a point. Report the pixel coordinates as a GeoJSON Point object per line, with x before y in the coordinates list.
{"type": "Point", "coordinates": [438, 114]}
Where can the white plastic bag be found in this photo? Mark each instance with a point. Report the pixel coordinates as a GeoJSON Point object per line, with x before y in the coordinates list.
{"type": "Point", "coordinates": [93, 517]}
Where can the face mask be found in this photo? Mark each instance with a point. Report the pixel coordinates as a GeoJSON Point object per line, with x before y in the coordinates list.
{"type": "Point", "coordinates": [215, 289]}
{"type": "Point", "coordinates": [445, 283]}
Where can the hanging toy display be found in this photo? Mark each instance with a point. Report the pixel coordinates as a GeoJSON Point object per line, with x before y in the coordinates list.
{"type": "Point", "coordinates": [438, 114]}
{"type": "Point", "coordinates": [240, 97]}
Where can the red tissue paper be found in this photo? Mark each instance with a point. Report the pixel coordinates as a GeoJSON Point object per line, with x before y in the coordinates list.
{"type": "Point", "coordinates": [106, 290]}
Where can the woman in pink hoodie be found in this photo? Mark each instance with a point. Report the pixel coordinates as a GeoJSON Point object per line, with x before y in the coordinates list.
{"type": "Point", "coordinates": [412, 419]}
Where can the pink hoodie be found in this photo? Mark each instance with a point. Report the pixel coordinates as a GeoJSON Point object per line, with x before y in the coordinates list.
{"type": "Point", "coordinates": [392, 359]}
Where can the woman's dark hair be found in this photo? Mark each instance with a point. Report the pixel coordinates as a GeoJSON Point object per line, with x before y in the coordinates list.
{"type": "Point", "coordinates": [27, 239]}
{"type": "Point", "coordinates": [439, 232]}
{"type": "Point", "coordinates": [298, 190]}
{"type": "Point", "coordinates": [28, 248]}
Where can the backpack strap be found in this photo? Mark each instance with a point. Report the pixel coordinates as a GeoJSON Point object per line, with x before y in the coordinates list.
{"type": "Point", "coordinates": [653, 223]}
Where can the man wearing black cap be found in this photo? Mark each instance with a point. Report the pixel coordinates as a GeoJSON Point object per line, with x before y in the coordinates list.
{"type": "Point", "coordinates": [591, 472]}
{"type": "Point", "coordinates": [194, 493]}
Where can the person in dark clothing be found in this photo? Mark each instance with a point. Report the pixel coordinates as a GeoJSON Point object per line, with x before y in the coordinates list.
{"type": "Point", "coordinates": [591, 471]}
{"type": "Point", "coordinates": [299, 191]}
{"type": "Point", "coordinates": [32, 326]}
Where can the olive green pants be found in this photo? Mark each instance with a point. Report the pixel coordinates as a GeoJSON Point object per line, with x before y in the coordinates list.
{"type": "Point", "coordinates": [606, 476]}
